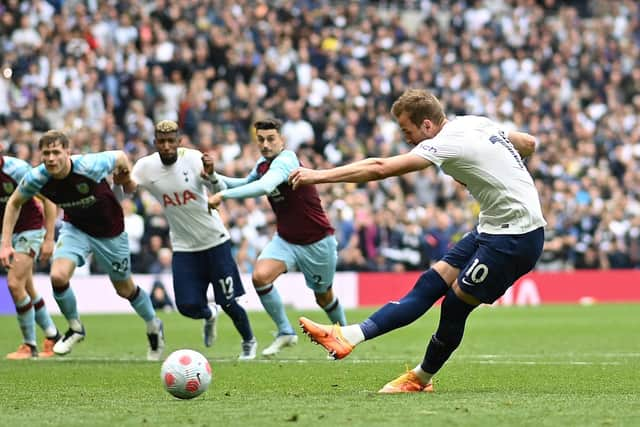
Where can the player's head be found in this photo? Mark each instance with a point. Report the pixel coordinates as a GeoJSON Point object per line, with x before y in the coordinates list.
{"type": "Point", "coordinates": [268, 136]}
{"type": "Point", "coordinates": [419, 114]}
{"type": "Point", "coordinates": [54, 146]}
{"type": "Point", "coordinates": [167, 141]}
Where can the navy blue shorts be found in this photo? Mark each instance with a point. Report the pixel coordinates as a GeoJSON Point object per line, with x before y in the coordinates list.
{"type": "Point", "coordinates": [490, 263]}
{"type": "Point", "coordinates": [194, 271]}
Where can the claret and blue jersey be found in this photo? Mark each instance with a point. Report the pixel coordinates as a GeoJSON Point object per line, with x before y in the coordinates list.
{"type": "Point", "coordinates": [13, 170]}
{"type": "Point", "coordinates": [84, 194]}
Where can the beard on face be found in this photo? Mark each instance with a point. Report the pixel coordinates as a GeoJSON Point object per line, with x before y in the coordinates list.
{"type": "Point", "coordinates": [169, 159]}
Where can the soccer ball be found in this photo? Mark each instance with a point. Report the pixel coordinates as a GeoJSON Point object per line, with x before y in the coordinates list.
{"type": "Point", "coordinates": [186, 374]}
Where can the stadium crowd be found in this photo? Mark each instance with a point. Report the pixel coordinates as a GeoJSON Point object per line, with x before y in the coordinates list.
{"type": "Point", "coordinates": [567, 72]}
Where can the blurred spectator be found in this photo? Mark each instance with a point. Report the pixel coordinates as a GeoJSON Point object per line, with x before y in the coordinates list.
{"type": "Point", "coordinates": [159, 297]}
{"type": "Point", "coordinates": [566, 72]}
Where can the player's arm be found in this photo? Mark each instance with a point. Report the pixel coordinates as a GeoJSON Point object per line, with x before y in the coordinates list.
{"type": "Point", "coordinates": [260, 187]}
{"type": "Point", "coordinates": [50, 215]}
{"type": "Point", "coordinates": [122, 173]}
{"type": "Point", "coordinates": [523, 142]}
{"type": "Point", "coordinates": [217, 181]}
{"type": "Point", "coordinates": [371, 169]}
{"type": "Point", "coordinates": [11, 214]}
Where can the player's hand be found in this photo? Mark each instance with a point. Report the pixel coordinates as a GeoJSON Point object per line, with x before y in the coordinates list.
{"type": "Point", "coordinates": [214, 201]}
{"type": "Point", "coordinates": [46, 250]}
{"type": "Point", "coordinates": [6, 256]}
{"type": "Point", "coordinates": [121, 176]}
{"type": "Point", "coordinates": [207, 165]}
{"type": "Point", "coordinates": [302, 176]}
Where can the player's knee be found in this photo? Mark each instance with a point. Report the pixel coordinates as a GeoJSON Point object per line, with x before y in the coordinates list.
{"type": "Point", "coordinates": [260, 278]}
{"type": "Point", "coordinates": [59, 280]}
{"type": "Point", "coordinates": [324, 299]}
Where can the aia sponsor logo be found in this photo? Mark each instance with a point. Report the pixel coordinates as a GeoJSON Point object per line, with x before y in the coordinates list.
{"type": "Point", "coordinates": [177, 199]}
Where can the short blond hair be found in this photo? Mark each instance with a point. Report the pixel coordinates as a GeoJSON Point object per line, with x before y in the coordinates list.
{"type": "Point", "coordinates": [419, 105]}
{"type": "Point", "coordinates": [166, 126]}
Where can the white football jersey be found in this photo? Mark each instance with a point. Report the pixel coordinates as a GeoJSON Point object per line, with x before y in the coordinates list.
{"type": "Point", "coordinates": [476, 152]}
{"type": "Point", "coordinates": [183, 194]}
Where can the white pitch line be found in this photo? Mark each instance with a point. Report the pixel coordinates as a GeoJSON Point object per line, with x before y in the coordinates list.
{"type": "Point", "coordinates": [486, 359]}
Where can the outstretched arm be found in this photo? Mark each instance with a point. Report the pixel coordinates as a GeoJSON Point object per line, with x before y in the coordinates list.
{"type": "Point", "coordinates": [523, 142]}
{"type": "Point", "coordinates": [265, 185]}
{"type": "Point", "coordinates": [11, 214]}
{"type": "Point", "coordinates": [370, 169]}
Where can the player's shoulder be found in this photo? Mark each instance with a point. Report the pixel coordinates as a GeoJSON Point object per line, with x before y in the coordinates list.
{"type": "Point", "coordinates": [189, 155]}
{"type": "Point", "coordinates": [287, 157]}
{"type": "Point", "coordinates": [471, 122]}
{"type": "Point", "coordinates": [10, 163]}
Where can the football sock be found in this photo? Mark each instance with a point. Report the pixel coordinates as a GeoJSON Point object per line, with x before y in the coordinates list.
{"type": "Point", "coordinates": [272, 303]}
{"type": "Point", "coordinates": [335, 312]}
{"type": "Point", "coordinates": [353, 334]}
{"type": "Point", "coordinates": [26, 320]}
{"type": "Point", "coordinates": [66, 300]}
{"type": "Point", "coordinates": [141, 303]}
{"type": "Point", "coordinates": [427, 290]}
{"type": "Point", "coordinates": [453, 316]}
{"type": "Point", "coordinates": [210, 313]}
{"type": "Point", "coordinates": [240, 319]}
{"type": "Point", "coordinates": [43, 319]}
{"type": "Point", "coordinates": [424, 376]}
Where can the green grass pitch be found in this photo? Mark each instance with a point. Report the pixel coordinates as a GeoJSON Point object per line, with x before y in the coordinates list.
{"type": "Point", "coordinates": [531, 366]}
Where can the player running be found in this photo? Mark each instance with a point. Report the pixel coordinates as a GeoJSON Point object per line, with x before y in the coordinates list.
{"type": "Point", "coordinates": [93, 223]}
{"type": "Point", "coordinates": [201, 244]}
{"type": "Point", "coordinates": [304, 239]}
{"type": "Point", "coordinates": [32, 236]}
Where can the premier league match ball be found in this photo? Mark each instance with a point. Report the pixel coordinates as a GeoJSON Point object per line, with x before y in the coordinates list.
{"type": "Point", "coordinates": [186, 374]}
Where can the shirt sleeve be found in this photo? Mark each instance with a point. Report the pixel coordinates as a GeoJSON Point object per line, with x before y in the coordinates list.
{"type": "Point", "coordinates": [438, 150]}
{"type": "Point", "coordinates": [95, 166]}
{"type": "Point", "coordinates": [15, 168]}
{"type": "Point", "coordinates": [277, 174]}
{"type": "Point", "coordinates": [33, 181]}
{"type": "Point", "coordinates": [137, 173]}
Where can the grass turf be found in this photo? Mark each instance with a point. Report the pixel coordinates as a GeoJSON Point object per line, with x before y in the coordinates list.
{"type": "Point", "coordinates": [553, 365]}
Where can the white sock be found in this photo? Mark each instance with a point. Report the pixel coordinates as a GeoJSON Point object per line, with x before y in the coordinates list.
{"type": "Point", "coordinates": [214, 311]}
{"type": "Point", "coordinates": [153, 326]}
{"type": "Point", "coordinates": [51, 331]}
{"type": "Point", "coordinates": [353, 334]}
{"type": "Point", "coordinates": [424, 376]}
{"type": "Point", "coordinates": [75, 324]}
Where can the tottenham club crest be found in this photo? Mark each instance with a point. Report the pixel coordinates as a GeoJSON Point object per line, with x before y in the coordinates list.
{"type": "Point", "coordinates": [83, 187]}
{"type": "Point", "coordinates": [8, 187]}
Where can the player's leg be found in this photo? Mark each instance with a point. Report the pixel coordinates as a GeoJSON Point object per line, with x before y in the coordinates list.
{"type": "Point", "coordinates": [429, 288]}
{"type": "Point", "coordinates": [276, 258]}
{"type": "Point", "coordinates": [496, 265]}
{"type": "Point", "coordinates": [16, 279]}
{"type": "Point", "coordinates": [32, 242]}
{"type": "Point", "coordinates": [317, 262]}
{"type": "Point", "coordinates": [72, 249]}
{"type": "Point", "coordinates": [227, 287]}
{"type": "Point", "coordinates": [190, 283]}
{"type": "Point", "coordinates": [113, 255]}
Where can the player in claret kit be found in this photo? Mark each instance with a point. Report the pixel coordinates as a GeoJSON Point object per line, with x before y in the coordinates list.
{"type": "Point", "coordinates": [304, 238]}
{"type": "Point", "coordinates": [93, 222]}
{"type": "Point", "coordinates": [31, 236]}
{"type": "Point", "coordinates": [484, 264]}
{"type": "Point", "coordinates": [201, 244]}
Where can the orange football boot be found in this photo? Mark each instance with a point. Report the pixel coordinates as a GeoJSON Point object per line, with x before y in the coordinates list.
{"type": "Point", "coordinates": [328, 336]}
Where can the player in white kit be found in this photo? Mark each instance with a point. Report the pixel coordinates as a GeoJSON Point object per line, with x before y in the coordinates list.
{"type": "Point", "coordinates": [480, 268]}
{"type": "Point", "coordinates": [201, 243]}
